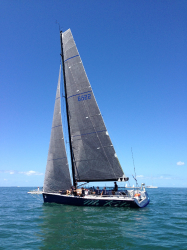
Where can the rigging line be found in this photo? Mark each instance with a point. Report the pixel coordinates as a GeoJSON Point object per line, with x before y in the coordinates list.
{"type": "Point", "coordinates": [133, 163]}
{"type": "Point", "coordinates": [129, 183]}
{"type": "Point", "coordinates": [134, 168]}
{"type": "Point", "coordinates": [58, 25]}
{"type": "Point", "coordinates": [33, 195]}
{"type": "Point", "coordinates": [82, 184]}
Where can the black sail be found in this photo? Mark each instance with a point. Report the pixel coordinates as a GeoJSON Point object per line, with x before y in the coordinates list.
{"type": "Point", "coordinates": [94, 157]}
{"type": "Point", "coordinates": [57, 176]}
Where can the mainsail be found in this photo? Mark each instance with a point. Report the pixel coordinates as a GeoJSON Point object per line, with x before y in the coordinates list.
{"type": "Point", "coordinates": [57, 176]}
{"type": "Point", "coordinates": [94, 157]}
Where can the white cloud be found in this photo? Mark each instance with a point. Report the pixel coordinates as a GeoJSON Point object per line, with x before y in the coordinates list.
{"type": "Point", "coordinates": [165, 177]}
{"type": "Point", "coordinates": [7, 171]}
{"type": "Point", "coordinates": [180, 163]}
{"type": "Point", "coordinates": [31, 172]}
{"type": "Point", "coordinates": [140, 176]}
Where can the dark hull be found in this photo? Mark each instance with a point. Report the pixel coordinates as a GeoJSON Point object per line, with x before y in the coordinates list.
{"type": "Point", "coordinates": [81, 201]}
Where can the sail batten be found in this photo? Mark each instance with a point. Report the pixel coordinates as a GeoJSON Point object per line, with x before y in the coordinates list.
{"type": "Point", "coordinates": [70, 58]}
{"type": "Point", "coordinates": [93, 152]}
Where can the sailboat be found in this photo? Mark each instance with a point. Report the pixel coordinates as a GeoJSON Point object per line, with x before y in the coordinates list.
{"type": "Point", "coordinates": [93, 157]}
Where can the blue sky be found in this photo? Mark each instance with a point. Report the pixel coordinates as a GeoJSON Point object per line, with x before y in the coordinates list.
{"type": "Point", "coordinates": [135, 56]}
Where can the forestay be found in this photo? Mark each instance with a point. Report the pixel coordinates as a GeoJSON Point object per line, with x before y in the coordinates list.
{"type": "Point", "coordinates": [57, 176]}
{"type": "Point", "coordinates": [94, 155]}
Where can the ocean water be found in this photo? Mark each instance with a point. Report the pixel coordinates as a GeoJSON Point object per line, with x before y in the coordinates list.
{"type": "Point", "coordinates": [27, 223]}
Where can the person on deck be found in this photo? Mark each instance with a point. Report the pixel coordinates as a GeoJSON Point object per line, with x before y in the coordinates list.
{"type": "Point", "coordinates": [92, 190]}
{"type": "Point", "coordinates": [63, 191]}
{"type": "Point", "coordinates": [83, 192]}
{"type": "Point", "coordinates": [97, 191]}
{"type": "Point", "coordinates": [68, 192]}
{"type": "Point", "coordinates": [115, 188]}
{"type": "Point", "coordinates": [103, 191]}
{"type": "Point", "coordinates": [73, 191]}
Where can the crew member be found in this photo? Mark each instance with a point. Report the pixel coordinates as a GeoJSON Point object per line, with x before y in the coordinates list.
{"type": "Point", "coordinates": [103, 191]}
{"type": "Point", "coordinates": [115, 188]}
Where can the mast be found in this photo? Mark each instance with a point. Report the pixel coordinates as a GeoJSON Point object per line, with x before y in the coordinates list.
{"type": "Point", "coordinates": [67, 110]}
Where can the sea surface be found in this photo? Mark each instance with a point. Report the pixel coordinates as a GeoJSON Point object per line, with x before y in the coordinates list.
{"type": "Point", "coordinates": [27, 223]}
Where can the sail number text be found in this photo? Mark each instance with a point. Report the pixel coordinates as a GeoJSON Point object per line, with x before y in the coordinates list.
{"type": "Point", "coordinates": [84, 97]}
